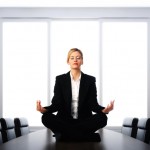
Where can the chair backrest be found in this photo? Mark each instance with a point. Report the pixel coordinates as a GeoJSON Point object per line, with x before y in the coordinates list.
{"type": "Point", "coordinates": [1, 140]}
{"type": "Point", "coordinates": [129, 126]}
{"type": "Point", "coordinates": [143, 132]}
{"type": "Point", "coordinates": [21, 126]}
{"type": "Point", "coordinates": [8, 130]}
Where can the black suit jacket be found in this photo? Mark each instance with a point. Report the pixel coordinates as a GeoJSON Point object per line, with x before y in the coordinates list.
{"type": "Point", "coordinates": [61, 101]}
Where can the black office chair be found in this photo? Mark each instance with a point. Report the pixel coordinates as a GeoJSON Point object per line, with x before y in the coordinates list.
{"type": "Point", "coordinates": [143, 132]}
{"type": "Point", "coordinates": [21, 126]}
{"type": "Point", "coordinates": [129, 126]}
{"type": "Point", "coordinates": [8, 129]}
{"type": "Point", "coordinates": [1, 140]}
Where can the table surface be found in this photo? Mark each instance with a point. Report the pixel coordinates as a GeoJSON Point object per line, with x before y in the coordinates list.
{"type": "Point", "coordinates": [43, 140]}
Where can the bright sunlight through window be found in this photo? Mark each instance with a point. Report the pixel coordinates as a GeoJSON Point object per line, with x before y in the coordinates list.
{"type": "Point", "coordinates": [124, 72]}
{"type": "Point", "coordinates": [24, 69]}
{"type": "Point", "coordinates": [114, 52]}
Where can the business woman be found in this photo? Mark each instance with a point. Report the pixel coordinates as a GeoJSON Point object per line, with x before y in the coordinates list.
{"type": "Point", "coordinates": [74, 100]}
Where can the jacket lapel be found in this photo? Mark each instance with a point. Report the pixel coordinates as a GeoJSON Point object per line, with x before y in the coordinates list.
{"type": "Point", "coordinates": [83, 90]}
{"type": "Point", "coordinates": [68, 91]}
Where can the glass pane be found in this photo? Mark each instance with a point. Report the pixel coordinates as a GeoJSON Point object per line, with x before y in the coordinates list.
{"type": "Point", "coordinates": [125, 69]}
{"type": "Point", "coordinates": [24, 69]}
{"type": "Point", "coordinates": [74, 34]}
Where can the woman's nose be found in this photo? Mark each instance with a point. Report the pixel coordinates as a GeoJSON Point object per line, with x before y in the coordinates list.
{"type": "Point", "coordinates": [75, 59]}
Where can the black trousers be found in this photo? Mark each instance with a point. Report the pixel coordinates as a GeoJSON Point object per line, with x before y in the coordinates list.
{"type": "Point", "coordinates": [74, 126]}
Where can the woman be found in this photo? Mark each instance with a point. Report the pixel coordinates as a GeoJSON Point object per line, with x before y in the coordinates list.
{"type": "Point", "coordinates": [74, 100]}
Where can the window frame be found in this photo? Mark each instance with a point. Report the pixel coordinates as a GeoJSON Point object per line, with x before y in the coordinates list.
{"type": "Point", "coordinates": [101, 14]}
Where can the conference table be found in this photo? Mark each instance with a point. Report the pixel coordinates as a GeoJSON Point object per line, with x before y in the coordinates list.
{"type": "Point", "coordinates": [44, 140]}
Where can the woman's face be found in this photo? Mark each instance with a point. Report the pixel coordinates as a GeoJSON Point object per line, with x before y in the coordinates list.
{"type": "Point", "coordinates": [75, 60]}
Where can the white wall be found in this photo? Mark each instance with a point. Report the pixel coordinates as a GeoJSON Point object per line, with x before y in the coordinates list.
{"type": "Point", "coordinates": [74, 12]}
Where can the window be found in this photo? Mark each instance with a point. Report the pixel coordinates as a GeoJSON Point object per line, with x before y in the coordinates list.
{"type": "Point", "coordinates": [74, 34]}
{"type": "Point", "coordinates": [114, 52]}
{"type": "Point", "coordinates": [24, 69]}
{"type": "Point", "coordinates": [124, 69]}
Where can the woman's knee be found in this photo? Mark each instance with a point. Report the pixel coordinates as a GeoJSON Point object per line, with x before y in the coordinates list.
{"type": "Point", "coordinates": [102, 119]}
{"type": "Point", "coordinates": [46, 118]}
{"type": "Point", "coordinates": [105, 118]}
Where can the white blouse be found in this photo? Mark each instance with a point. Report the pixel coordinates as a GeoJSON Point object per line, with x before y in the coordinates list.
{"type": "Point", "coordinates": [75, 85]}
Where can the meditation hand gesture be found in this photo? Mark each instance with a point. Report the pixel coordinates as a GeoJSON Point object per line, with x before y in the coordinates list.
{"type": "Point", "coordinates": [39, 107]}
{"type": "Point", "coordinates": [109, 107]}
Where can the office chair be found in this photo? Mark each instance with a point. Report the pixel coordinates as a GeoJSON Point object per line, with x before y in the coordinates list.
{"type": "Point", "coordinates": [8, 130]}
{"type": "Point", "coordinates": [129, 126]}
{"type": "Point", "coordinates": [21, 126]}
{"type": "Point", "coordinates": [143, 132]}
{"type": "Point", "coordinates": [1, 140]}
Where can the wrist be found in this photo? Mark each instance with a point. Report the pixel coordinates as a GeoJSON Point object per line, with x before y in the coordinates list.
{"type": "Point", "coordinates": [104, 111]}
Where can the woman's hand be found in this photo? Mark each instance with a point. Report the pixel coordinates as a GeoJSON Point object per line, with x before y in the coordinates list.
{"type": "Point", "coordinates": [39, 107]}
{"type": "Point", "coordinates": [109, 107]}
